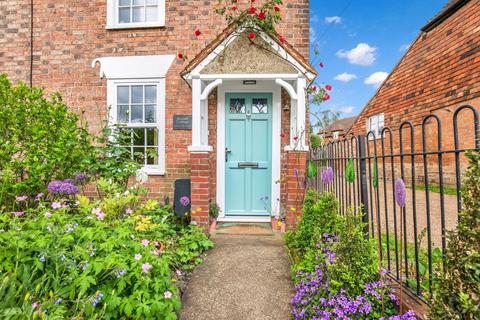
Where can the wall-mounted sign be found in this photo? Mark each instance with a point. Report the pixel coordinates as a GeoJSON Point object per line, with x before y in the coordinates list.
{"type": "Point", "coordinates": [182, 122]}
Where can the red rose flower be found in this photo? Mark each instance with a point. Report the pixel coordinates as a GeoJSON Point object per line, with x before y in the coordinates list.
{"type": "Point", "coordinates": [283, 135]}
{"type": "Point", "coordinates": [328, 87]}
{"type": "Point", "coordinates": [282, 39]}
{"type": "Point", "coordinates": [314, 88]}
{"type": "Point", "coordinates": [261, 15]}
{"type": "Point", "coordinates": [198, 33]}
{"type": "Point", "coordinates": [321, 65]}
{"type": "Point", "coordinates": [295, 138]}
{"type": "Point", "coordinates": [180, 56]}
{"type": "Point", "coordinates": [253, 10]}
{"type": "Point", "coordinates": [234, 8]}
{"type": "Point", "coordinates": [251, 35]}
{"type": "Point", "coordinates": [326, 97]}
{"type": "Point", "coordinates": [276, 8]}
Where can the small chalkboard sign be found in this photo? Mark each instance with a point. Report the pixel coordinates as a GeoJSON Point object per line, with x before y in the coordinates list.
{"type": "Point", "coordinates": [182, 122]}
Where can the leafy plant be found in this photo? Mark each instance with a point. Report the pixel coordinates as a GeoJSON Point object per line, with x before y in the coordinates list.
{"type": "Point", "coordinates": [456, 293]}
{"type": "Point", "coordinates": [40, 141]}
{"type": "Point", "coordinates": [213, 210]}
{"type": "Point", "coordinates": [315, 141]}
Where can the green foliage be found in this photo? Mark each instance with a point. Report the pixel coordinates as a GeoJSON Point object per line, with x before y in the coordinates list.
{"type": "Point", "coordinates": [213, 210]}
{"type": "Point", "coordinates": [311, 169]}
{"type": "Point", "coordinates": [70, 263]}
{"type": "Point", "coordinates": [40, 141]}
{"type": "Point", "coordinates": [315, 141]}
{"type": "Point", "coordinates": [456, 293]}
{"type": "Point", "coordinates": [350, 171]}
{"type": "Point", "coordinates": [356, 257]}
{"type": "Point", "coordinates": [319, 215]}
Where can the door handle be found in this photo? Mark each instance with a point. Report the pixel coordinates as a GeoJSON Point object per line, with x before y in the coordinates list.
{"type": "Point", "coordinates": [227, 151]}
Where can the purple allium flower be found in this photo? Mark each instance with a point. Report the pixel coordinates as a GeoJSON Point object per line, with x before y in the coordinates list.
{"type": "Point", "coordinates": [21, 198]}
{"type": "Point", "coordinates": [327, 175]}
{"type": "Point", "coordinates": [185, 201]}
{"type": "Point", "coordinates": [65, 187]}
{"type": "Point", "coordinates": [80, 177]}
{"type": "Point", "coordinates": [400, 193]}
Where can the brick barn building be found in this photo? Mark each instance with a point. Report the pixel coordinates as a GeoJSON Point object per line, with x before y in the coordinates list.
{"type": "Point", "coordinates": [226, 118]}
{"type": "Point", "coordinates": [438, 73]}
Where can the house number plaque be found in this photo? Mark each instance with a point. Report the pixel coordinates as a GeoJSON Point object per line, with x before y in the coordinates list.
{"type": "Point", "coordinates": [182, 122]}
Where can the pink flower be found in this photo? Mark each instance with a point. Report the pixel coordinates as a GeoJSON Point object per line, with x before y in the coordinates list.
{"type": "Point", "coordinates": [155, 253]}
{"type": "Point", "coordinates": [21, 198]}
{"type": "Point", "coordinates": [261, 15]}
{"type": "Point", "coordinates": [34, 305]}
{"type": "Point", "coordinates": [252, 10]}
{"type": "Point", "coordinates": [328, 87]}
{"type": "Point", "coordinates": [276, 8]}
{"type": "Point", "coordinates": [321, 65]}
{"type": "Point", "coordinates": [138, 256]}
{"type": "Point", "coordinates": [295, 138]}
{"type": "Point", "coordinates": [146, 267]}
{"type": "Point", "coordinates": [129, 211]}
{"type": "Point", "coordinates": [198, 33]}
{"type": "Point", "coordinates": [179, 273]}
{"type": "Point", "coordinates": [326, 97]}
{"type": "Point", "coordinates": [18, 213]}
{"type": "Point", "coordinates": [48, 214]}
{"type": "Point", "coordinates": [39, 196]}
{"type": "Point", "coordinates": [56, 205]}
{"type": "Point", "coordinates": [167, 294]}
{"type": "Point", "coordinates": [99, 213]}
{"type": "Point", "coordinates": [145, 242]}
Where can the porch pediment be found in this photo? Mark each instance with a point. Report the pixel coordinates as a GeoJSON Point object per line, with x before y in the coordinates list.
{"type": "Point", "coordinates": [233, 53]}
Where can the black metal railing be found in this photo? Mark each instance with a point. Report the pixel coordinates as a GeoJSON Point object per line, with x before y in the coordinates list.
{"type": "Point", "coordinates": [430, 164]}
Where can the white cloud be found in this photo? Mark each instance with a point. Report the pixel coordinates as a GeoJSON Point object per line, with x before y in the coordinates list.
{"type": "Point", "coordinates": [347, 110]}
{"type": "Point", "coordinates": [376, 78]}
{"type": "Point", "coordinates": [313, 35]}
{"type": "Point", "coordinates": [345, 77]}
{"type": "Point", "coordinates": [333, 19]}
{"type": "Point", "coordinates": [404, 47]}
{"type": "Point", "coordinates": [363, 54]}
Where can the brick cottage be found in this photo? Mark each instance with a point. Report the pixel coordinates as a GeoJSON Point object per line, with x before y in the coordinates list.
{"type": "Point", "coordinates": [239, 105]}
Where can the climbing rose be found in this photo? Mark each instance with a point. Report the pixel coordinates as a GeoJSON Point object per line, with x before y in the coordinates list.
{"type": "Point", "coordinates": [282, 40]}
{"type": "Point", "coordinates": [180, 56]}
{"type": "Point", "coordinates": [328, 87]}
{"type": "Point", "coordinates": [295, 138]}
{"type": "Point", "coordinates": [251, 35]}
{"type": "Point", "coordinates": [326, 97]}
{"type": "Point", "coordinates": [261, 15]}
{"type": "Point", "coordinates": [400, 193]}
{"type": "Point", "coordinates": [198, 33]}
{"type": "Point", "coordinates": [252, 10]}
{"type": "Point", "coordinates": [276, 8]}
{"type": "Point", "coordinates": [234, 8]}
{"type": "Point", "coordinates": [321, 65]}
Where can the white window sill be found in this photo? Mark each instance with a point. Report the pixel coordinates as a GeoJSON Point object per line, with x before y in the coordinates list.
{"type": "Point", "coordinates": [153, 171]}
{"type": "Point", "coordinates": [135, 26]}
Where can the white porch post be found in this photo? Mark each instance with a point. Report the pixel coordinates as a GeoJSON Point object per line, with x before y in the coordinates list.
{"type": "Point", "coordinates": [301, 116]}
{"type": "Point", "coordinates": [199, 120]}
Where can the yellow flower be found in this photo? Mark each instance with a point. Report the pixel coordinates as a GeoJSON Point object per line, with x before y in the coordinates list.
{"type": "Point", "coordinates": [280, 223]}
{"type": "Point", "coordinates": [199, 209]}
{"type": "Point", "coordinates": [293, 209]}
{"type": "Point", "coordinates": [174, 280]}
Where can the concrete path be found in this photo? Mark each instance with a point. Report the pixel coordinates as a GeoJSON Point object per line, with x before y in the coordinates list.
{"type": "Point", "coordinates": [245, 277]}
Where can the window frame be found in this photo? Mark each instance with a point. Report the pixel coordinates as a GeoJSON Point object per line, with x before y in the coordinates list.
{"type": "Point", "coordinates": [113, 17]}
{"type": "Point", "coordinates": [377, 131]}
{"type": "Point", "coordinates": [112, 85]}
{"type": "Point", "coordinates": [335, 135]}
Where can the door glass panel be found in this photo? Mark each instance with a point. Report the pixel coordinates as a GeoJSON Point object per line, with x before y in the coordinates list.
{"type": "Point", "coordinates": [259, 105]}
{"type": "Point", "coordinates": [237, 105]}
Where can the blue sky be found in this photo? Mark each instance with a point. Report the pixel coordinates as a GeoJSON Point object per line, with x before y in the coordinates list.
{"type": "Point", "coordinates": [360, 42]}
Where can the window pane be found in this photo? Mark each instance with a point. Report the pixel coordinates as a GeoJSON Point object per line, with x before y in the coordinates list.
{"type": "Point", "coordinates": [124, 2]}
{"type": "Point", "coordinates": [259, 106]}
{"type": "Point", "coordinates": [139, 154]}
{"type": "Point", "coordinates": [124, 15]}
{"type": "Point", "coordinates": [139, 137]}
{"type": "Point", "coordinates": [122, 114]}
{"type": "Point", "coordinates": [152, 137]}
{"type": "Point", "coordinates": [137, 94]}
{"type": "Point", "coordinates": [152, 14]}
{"type": "Point", "coordinates": [150, 113]}
{"type": "Point", "coordinates": [122, 94]}
{"type": "Point", "coordinates": [150, 94]}
{"type": "Point", "coordinates": [137, 114]}
{"type": "Point", "coordinates": [138, 14]}
{"type": "Point", "coordinates": [138, 2]}
{"type": "Point", "coordinates": [152, 156]}
{"type": "Point", "coordinates": [237, 106]}
{"type": "Point", "coordinates": [150, 2]}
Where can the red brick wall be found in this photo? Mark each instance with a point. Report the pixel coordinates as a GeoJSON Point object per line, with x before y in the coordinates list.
{"type": "Point", "coordinates": [69, 35]}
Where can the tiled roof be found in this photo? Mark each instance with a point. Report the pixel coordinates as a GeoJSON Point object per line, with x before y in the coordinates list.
{"type": "Point", "coordinates": [450, 8]}
{"type": "Point", "coordinates": [342, 124]}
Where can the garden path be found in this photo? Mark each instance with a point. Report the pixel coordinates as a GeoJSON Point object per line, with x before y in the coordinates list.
{"type": "Point", "coordinates": [244, 277]}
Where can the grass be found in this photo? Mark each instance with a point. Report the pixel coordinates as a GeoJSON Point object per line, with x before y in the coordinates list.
{"type": "Point", "coordinates": [422, 262]}
{"type": "Point", "coordinates": [436, 189]}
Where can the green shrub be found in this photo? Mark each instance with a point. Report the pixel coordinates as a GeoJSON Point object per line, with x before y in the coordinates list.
{"type": "Point", "coordinates": [94, 260]}
{"type": "Point", "coordinates": [315, 141]}
{"type": "Point", "coordinates": [40, 141]}
{"type": "Point", "coordinates": [319, 215]}
{"type": "Point", "coordinates": [456, 291]}
{"type": "Point", "coordinates": [356, 256]}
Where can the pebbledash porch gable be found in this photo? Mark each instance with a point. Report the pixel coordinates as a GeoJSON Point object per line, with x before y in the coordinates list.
{"type": "Point", "coordinates": [234, 62]}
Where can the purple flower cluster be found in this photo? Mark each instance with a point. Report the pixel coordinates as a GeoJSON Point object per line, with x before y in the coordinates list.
{"type": "Point", "coordinates": [80, 177]}
{"type": "Point", "coordinates": [400, 193]}
{"type": "Point", "coordinates": [63, 187]}
{"type": "Point", "coordinates": [315, 300]}
{"type": "Point", "coordinates": [327, 175]}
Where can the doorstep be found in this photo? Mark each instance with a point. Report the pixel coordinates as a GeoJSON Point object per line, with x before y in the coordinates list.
{"type": "Point", "coordinates": [244, 228]}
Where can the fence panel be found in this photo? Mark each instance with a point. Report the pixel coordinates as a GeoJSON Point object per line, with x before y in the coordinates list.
{"type": "Point", "coordinates": [365, 169]}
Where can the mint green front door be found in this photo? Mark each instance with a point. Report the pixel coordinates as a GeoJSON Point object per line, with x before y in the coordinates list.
{"type": "Point", "coordinates": [248, 156]}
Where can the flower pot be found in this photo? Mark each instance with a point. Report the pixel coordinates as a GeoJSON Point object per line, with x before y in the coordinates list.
{"type": "Point", "coordinates": [276, 223]}
{"type": "Point", "coordinates": [283, 227]}
{"type": "Point", "coordinates": [213, 225]}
